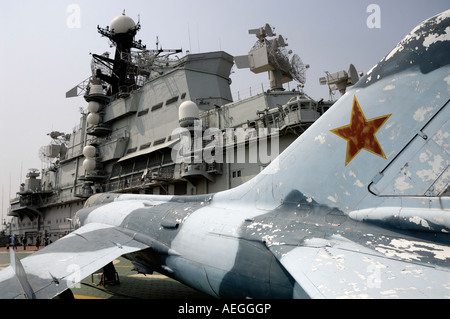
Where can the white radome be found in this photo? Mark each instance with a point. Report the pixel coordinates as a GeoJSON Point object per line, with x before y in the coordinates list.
{"type": "Point", "coordinates": [89, 151]}
{"type": "Point", "coordinates": [89, 164]}
{"type": "Point", "coordinates": [93, 118]}
{"type": "Point", "coordinates": [93, 107]}
{"type": "Point", "coordinates": [188, 113]}
{"type": "Point", "coordinates": [121, 24]}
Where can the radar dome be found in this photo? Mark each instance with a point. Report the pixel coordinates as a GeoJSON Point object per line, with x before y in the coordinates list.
{"type": "Point", "coordinates": [122, 24]}
{"type": "Point", "coordinates": [93, 118]}
{"type": "Point", "coordinates": [89, 151]}
{"type": "Point", "coordinates": [93, 107]}
{"type": "Point", "coordinates": [89, 164]}
{"type": "Point", "coordinates": [188, 113]}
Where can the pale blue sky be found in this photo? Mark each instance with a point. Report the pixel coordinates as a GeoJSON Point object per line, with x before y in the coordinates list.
{"type": "Point", "coordinates": [42, 57]}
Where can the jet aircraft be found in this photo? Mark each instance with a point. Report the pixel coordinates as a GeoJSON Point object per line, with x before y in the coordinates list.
{"type": "Point", "coordinates": [356, 207]}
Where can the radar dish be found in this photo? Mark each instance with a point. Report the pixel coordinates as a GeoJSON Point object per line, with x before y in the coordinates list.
{"type": "Point", "coordinates": [271, 55]}
{"type": "Point", "coordinates": [352, 75]}
{"type": "Point", "coordinates": [279, 58]}
{"type": "Point", "coordinates": [298, 69]}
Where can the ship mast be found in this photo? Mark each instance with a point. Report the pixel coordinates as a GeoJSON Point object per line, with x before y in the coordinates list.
{"type": "Point", "coordinates": [121, 32]}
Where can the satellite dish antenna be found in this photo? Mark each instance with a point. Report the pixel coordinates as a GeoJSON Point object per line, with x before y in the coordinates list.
{"type": "Point", "coordinates": [353, 76]}
{"type": "Point", "coordinates": [262, 32]}
{"type": "Point", "coordinates": [281, 42]}
{"type": "Point", "coordinates": [298, 69]}
{"type": "Point", "coordinates": [268, 30]}
{"type": "Point", "coordinates": [340, 80]}
{"type": "Point", "coordinates": [271, 55]}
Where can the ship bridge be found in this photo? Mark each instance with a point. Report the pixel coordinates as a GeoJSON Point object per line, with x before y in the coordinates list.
{"type": "Point", "coordinates": [30, 198]}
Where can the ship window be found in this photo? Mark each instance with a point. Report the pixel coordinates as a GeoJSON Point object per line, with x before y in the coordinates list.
{"type": "Point", "coordinates": [305, 105]}
{"type": "Point", "coordinates": [237, 173]}
{"type": "Point", "coordinates": [132, 150]}
{"type": "Point", "coordinates": [144, 146]}
{"type": "Point", "coordinates": [159, 142]}
{"type": "Point", "coordinates": [143, 112]}
{"type": "Point", "coordinates": [172, 100]}
{"type": "Point", "coordinates": [183, 96]}
{"type": "Point", "coordinates": [157, 106]}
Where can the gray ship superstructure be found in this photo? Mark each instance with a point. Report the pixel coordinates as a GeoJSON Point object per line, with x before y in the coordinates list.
{"type": "Point", "coordinates": [141, 106]}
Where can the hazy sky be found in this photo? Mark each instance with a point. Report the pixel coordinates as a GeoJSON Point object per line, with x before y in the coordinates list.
{"type": "Point", "coordinates": [45, 47]}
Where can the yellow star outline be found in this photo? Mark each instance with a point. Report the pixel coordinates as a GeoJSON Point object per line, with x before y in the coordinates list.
{"type": "Point", "coordinates": [360, 133]}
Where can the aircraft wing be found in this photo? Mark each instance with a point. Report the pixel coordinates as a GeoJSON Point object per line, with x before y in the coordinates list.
{"type": "Point", "coordinates": [339, 268]}
{"type": "Point", "coordinates": [64, 263]}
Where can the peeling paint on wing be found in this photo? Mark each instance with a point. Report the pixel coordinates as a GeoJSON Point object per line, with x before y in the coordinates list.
{"type": "Point", "coordinates": [357, 182]}
{"type": "Point", "coordinates": [419, 221]}
{"type": "Point", "coordinates": [447, 79]}
{"type": "Point", "coordinates": [259, 226]}
{"type": "Point", "coordinates": [389, 87]}
{"type": "Point", "coordinates": [332, 199]}
{"type": "Point", "coordinates": [442, 139]}
{"type": "Point", "coordinates": [436, 168]}
{"type": "Point", "coordinates": [433, 38]}
{"type": "Point", "coordinates": [419, 48]}
{"type": "Point", "coordinates": [320, 138]}
{"type": "Point", "coordinates": [401, 184]}
{"type": "Point", "coordinates": [370, 71]}
{"type": "Point", "coordinates": [413, 250]}
{"type": "Point", "coordinates": [420, 114]}
{"type": "Point", "coordinates": [423, 157]}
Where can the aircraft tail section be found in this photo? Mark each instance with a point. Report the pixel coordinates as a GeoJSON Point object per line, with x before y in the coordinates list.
{"type": "Point", "coordinates": [385, 140]}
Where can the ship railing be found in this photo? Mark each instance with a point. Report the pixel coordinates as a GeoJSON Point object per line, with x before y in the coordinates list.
{"type": "Point", "coordinates": [141, 179]}
{"type": "Point", "coordinates": [254, 89]}
{"type": "Point", "coordinates": [250, 91]}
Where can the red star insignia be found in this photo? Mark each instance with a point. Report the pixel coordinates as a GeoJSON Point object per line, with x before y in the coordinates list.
{"type": "Point", "coordinates": [360, 133]}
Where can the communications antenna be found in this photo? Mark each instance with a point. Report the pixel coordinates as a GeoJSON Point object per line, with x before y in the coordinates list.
{"type": "Point", "coordinates": [269, 54]}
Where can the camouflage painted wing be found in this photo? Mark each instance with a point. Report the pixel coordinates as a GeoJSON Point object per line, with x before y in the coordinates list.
{"type": "Point", "coordinates": [61, 265]}
{"type": "Point", "coordinates": [339, 268]}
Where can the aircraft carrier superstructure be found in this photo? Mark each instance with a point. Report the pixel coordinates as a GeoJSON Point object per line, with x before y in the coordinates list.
{"type": "Point", "coordinates": [140, 104]}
